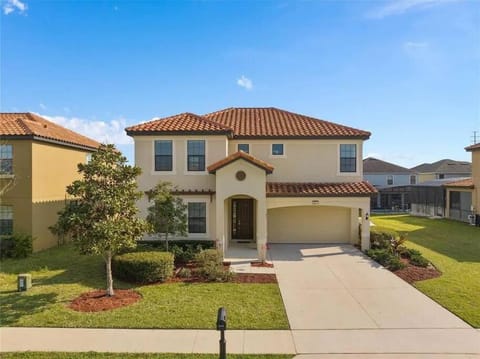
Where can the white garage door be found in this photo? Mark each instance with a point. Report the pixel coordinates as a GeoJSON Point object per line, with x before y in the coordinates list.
{"type": "Point", "coordinates": [309, 224]}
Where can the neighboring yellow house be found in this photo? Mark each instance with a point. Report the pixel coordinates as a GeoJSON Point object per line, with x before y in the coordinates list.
{"type": "Point", "coordinates": [442, 169]}
{"type": "Point", "coordinates": [475, 150]}
{"type": "Point", "coordinates": [259, 175]}
{"type": "Point", "coordinates": [41, 158]}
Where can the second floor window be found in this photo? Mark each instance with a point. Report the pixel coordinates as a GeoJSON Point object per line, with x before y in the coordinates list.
{"type": "Point", "coordinates": [244, 147]}
{"type": "Point", "coordinates": [277, 149]}
{"type": "Point", "coordinates": [6, 220]}
{"type": "Point", "coordinates": [196, 155]}
{"type": "Point", "coordinates": [6, 159]}
{"type": "Point", "coordinates": [413, 179]}
{"type": "Point", "coordinates": [348, 158]}
{"type": "Point", "coordinates": [163, 155]}
{"type": "Point", "coordinates": [389, 180]}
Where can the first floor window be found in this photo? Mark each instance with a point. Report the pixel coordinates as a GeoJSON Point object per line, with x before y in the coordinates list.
{"type": "Point", "coordinates": [163, 155]}
{"type": "Point", "coordinates": [197, 217]}
{"type": "Point", "coordinates": [196, 155]}
{"type": "Point", "coordinates": [348, 158]}
{"type": "Point", "coordinates": [6, 159]}
{"type": "Point", "coordinates": [6, 220]}
{"type": "Point", "coordinates": [244, 147]}
{"type": "Point", "coordinates": [277, 149]}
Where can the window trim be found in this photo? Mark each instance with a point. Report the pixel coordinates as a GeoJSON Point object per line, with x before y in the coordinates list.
{"type": "Point", "coordinates": [12, 219]}
{"type": "Point", "coordinates": [198, 235]}
{"type": "Point", "coordinates": [414, 177]}
{"type": "Point", "coordinates": [173, 171]}
{"type": "Point", "coordinates": [283, 155]}
{"type": "Point", "coordinates": [155, 155]}
{"type": "Point", "coordinates": [390, 178]}
{"type": "Point", "coordinates": [357, 162]}
{"type": "Point", "coordinates": [187, 172]}
{"type": "Point", "coordinates": [244, 144]}
{"type": "Point", "coordinates": [11, 173]}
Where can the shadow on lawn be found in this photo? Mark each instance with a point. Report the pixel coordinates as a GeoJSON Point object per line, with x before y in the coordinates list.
{"type": "Point", "coordinates": [453, 239]}
{"type": "Point", "coordinates": [16, 305]}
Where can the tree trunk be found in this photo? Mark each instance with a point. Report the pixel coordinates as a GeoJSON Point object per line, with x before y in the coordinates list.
{"type": "Point", "coordinates": [108, 260]}
{"type": "Point", "coordinates": [166, 241]}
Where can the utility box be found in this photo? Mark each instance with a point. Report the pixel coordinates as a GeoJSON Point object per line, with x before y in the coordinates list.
{"type": "Point", "coordinates": [24, 282]}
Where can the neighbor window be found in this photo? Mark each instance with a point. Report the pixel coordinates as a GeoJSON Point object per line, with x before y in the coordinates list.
{"type": "Point", "coordinates": [245, 147]}
{"type": "Point", "coordinates": [196, 155]}
{"type": "Point", "coordinates": [6, 220]}
{"type": "Point", "coordinates": [413, 179]}
{"type": "Point", "coordinates": [163, 155]}
{"type": "Point", "coordinates": [6, 159]}
{"type": "Point", "coordinates": [348, 158]}
{"type": "Point", "coordinates": [277, 149]}
{"type": "Point", "coordinates": [197, 217]}
{"type": "Point", "coordinates": [389, 180]}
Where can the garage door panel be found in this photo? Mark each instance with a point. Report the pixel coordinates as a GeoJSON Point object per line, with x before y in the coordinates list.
{"type": "Point", "coordinates": [309, 224]}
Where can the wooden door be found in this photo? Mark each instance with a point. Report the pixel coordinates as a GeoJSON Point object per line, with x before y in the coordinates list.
{"type": "Point", "coordinates": [242, 219]}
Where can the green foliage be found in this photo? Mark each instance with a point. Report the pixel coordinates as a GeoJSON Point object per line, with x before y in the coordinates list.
{"type": "Point", "coordinates": [386, 258]}
{"type": "Point", "coordinates": [185, 273]}
{"type": "Point", "coordinates": [184, 254]}
{"type": "Point", "coordinates": [168, 214]}
{"type": "Point", "coordinates": [96, 355]}
{"type": "Point", "coordinates": [419, 260]}
{"type": "Point", "coordinates": [143, 267]}
{"type": "Point", "coordinates": [381, 239]}
{"type": "Point", "coordinates": [103, 217]}
{"type": "Point", "coordinates": [210, 266]}
{"type": "Point", "coordinates": [18, 245]}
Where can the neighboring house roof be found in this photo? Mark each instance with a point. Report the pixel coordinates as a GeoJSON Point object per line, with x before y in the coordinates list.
{"type": "Point", "coordinates": [264, 122]}
{"type": "Point", "coordinates": [240, 155]}
{"type": "Point", "coordinates": [473, 147]}
{"type": "Point", "coordinates": [26, 125]}
{"type": "Point", "coordinates": [444, 166]}
{"type": "Point", "coordinates": [297, 189]}
{"type": "Point", "coordinates": [439, 182]}
{"type": "Point", "coordinates": [374, 165]}
{"type": "Point", "coordinates": [179, 124]}
{"type": "Point", "coordinates": [462, 183]}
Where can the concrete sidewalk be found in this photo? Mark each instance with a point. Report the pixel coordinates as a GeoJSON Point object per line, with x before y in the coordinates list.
{"type": "Point", "coordinates": [371, 341]}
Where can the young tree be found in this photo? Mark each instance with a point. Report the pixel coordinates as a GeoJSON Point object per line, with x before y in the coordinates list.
{"type": "Point", "coordinates": [168, 213]}
{"type": "Point", "coordinates": [102, 217]}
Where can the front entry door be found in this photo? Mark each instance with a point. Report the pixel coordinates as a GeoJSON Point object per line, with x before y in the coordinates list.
{"type": "Point", "coordinates": [242, 219]}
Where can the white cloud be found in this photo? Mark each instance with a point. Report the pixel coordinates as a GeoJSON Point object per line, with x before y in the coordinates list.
{"type": "Point", "coordinates": [245, 82]}
{"type": "Point", "coordinates": [14, 5]}
{"type": "Point", "coordinates": [42, 106]}
{"type": "Point", "coordinates": [102, 131]}
{"type": "Point", "coordinates": [398, 7]}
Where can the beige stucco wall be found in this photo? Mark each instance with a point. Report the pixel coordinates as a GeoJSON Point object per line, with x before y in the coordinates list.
{"type": "Point", "coordinates": [304, 160]}
{"type": "Point", "coordinates": [476, 179]}
{"type": "Point", "coordinates": [310, 224]}
{"type": "Point", "coordinates": [424, 177]}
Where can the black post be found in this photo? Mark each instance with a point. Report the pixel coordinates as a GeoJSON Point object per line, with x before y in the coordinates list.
{"type": "Point", "coordinates": [222, 326]}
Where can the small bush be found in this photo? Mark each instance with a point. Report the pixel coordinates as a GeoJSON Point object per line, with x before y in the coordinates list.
{"type": "Point", "coordinates": [184, 254]}
{"type": "Point", "coordinates": [385, 258]}
{"type": "Point", "coordinates": [408, 252]}
{"type": "Point", "coordinates": [18, 245]}
{"type": "Point", "coordinates": [381, 240]}
{"type": "Point", "coordinates": [185, 273]}
{"type": "Point", "coordinates": [143, 267]}
{"type": "Point", "coordinates": [419, 260]}
{"type": "Point", "coordinates": [210, 266]}
{"type": "Point", "coordinates": [207, 257]}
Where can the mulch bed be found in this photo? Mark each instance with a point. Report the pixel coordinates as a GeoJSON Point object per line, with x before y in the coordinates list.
{"type": "Point", "coordinates": [98, 300]}
{"type": "Point", "coordinates": [261, 264]}
{"type": "Point", "coordinates": [413, 273]}
{"type": "Point", "coordinates": [255, 278]}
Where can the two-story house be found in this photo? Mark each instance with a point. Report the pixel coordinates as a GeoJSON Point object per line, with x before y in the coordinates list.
{"type": "Point", "coordinates": [389, 179]}
{"type": "Point", "coordinates": [442, 169]}
{"type": "Point", "coordinates": [259, 175]}
{"type": "Point", "coordinates": [40, 159]}
{"type": "Point", "coordinates": [475, 150]}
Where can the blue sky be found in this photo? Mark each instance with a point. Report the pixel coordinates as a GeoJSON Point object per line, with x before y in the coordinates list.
{"type": "Point", "coordinates": [406, 70]}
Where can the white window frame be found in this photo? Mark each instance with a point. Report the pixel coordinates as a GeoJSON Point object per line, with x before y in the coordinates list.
{"type": "Point", "coordinates": [152, 151]}
{"type": "Point", "coordinates": [284, 155]}
{"type": "Point", "coordinates": [207, 209]}
{"type": "Point", "coordinates": [243, 143]}
{"type": "Point", "coordinates": [392, 178]}
{"type": "Point", "coordinates": [414, 179]}
{"type": "Point", "coordinates": [195, 173]}
{"type": "Point", "coordinates": [9, 175]}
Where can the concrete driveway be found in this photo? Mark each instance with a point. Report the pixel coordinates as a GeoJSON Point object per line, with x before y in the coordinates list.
{"type": "Point", "coordinates": [338, 287]}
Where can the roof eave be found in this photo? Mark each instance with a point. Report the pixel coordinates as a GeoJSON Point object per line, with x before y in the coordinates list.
{"type": "Point", "coordinates": [262, 137]}
{"type": "Point", "coordinates": [178, 133]}
{"type": "Point", "coordinates": [49, 140]}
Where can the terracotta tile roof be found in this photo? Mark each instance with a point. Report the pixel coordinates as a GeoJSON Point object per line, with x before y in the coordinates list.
{"type": "Point", "coordinates": [192, 191]}
{"type": "Point", "coordinates": [274, 122]}
{"type": "Point", "coordinates": [184, 122]}
{"type": "Point", "coordinates": [351, 189]}
{"type": "Point", "coordinates": [473, 147]}
{"type": "Point", "coordinates": [29, 125]}
{"type": "Point", "coordinates": [250, 123]}
{"type": "Point", "coordinates": [374, 165]}
{"type": "Point", "coordinates": [240, 155]}
{"type": "Point", "coordinates": [465, 183]}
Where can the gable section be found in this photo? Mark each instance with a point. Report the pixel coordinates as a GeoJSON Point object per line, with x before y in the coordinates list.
{"type": "Point", "coordinates": [240, 155]}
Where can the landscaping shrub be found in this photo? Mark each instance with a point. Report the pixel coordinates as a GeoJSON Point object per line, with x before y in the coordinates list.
{"type": "Point", "coordinates": [160, 244]}
{"type": "Point", "coordinates": [186, 253]}
{"type": "Point", "coordinates": [381, 240]}
{"type": "Point", "coordinates": [17, 245]}
{"type": "Point", "coordinates": [386, 258]}
{"type": "Point", "coordinates": [210, 266]}
{"type": "Point", "coordinates": [418, 260]}
{"type": "Point", "coordinates": [143, 267]}
{"type": "Point", "coordinates": [409, 252]}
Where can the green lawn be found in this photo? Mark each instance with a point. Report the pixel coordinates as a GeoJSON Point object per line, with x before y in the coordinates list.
{"type": "Point", "coordinates": [454, 248]}
{"type": "Point", "coordinates": [54, 355]}
{"type": "Point", "coordinates": [60, 274]}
